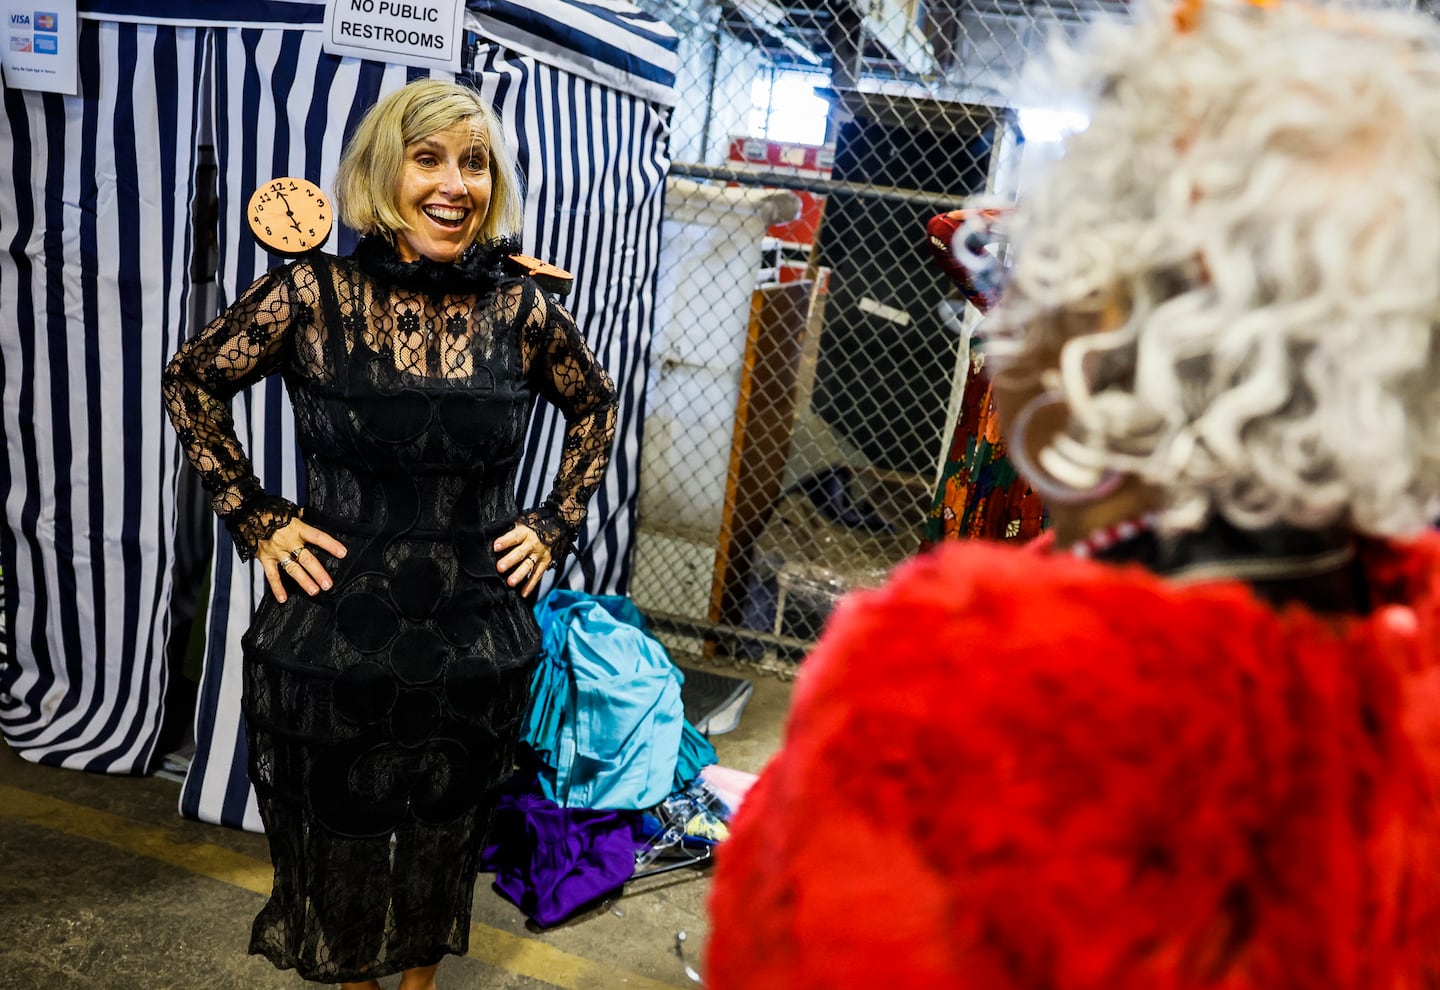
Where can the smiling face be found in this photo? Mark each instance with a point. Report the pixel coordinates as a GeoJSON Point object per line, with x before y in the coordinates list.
{"type": "Point", "coordinates": [442, 193]}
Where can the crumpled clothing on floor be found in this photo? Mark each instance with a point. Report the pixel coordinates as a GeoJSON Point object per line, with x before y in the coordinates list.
{"type": "Point", "coordinates": [550, 861]}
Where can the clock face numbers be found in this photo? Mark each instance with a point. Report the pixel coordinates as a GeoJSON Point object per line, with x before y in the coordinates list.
{"type": "Point", "coordinates": [289, 216]}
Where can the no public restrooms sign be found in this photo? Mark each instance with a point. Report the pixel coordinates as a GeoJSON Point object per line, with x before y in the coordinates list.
{"type": "Point", "coordinates": [425, 34]}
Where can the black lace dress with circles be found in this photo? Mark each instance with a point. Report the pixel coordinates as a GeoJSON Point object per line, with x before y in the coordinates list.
{"type": "Point", "coordinates": [382, 715]}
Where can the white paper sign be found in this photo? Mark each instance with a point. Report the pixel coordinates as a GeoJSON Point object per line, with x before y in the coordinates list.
{"type": "Point", "coordinates": [424, 33]}
{"type": "Point", "coordinates": [39, 45]}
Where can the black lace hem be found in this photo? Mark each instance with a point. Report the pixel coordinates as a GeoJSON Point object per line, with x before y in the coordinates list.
{"type": "Point", "coordinates": [281, 959]}
{"type": "Point", "coordinates": [548, 524]}
{"type": "Point", "coordinates": [260, 517]}
{"type": "Point", "coordinates": [480, 268]}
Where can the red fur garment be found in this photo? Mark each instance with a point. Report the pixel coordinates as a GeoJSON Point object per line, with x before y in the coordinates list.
{"type": "Point", "coordinates": [1011, 772]}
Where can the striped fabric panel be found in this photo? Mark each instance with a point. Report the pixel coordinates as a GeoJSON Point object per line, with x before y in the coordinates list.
{"type": "Point", "coordinates": [212, 13]}
{"type": "Point", "coordinates": [593, 163]}
{"type": "Point", "coordinates": [93, 293]}
{"type": "Point", "coordinates": [605, 41]}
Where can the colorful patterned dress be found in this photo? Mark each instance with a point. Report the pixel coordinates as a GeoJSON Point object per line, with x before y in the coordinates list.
{"type": "Point", "coordinates": [980, 496]}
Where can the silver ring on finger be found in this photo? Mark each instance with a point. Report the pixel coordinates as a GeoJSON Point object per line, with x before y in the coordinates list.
{"type": "Point", "coordinates": [286, 563]}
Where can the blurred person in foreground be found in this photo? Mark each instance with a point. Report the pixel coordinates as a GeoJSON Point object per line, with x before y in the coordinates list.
{"type": "Point", "coordinates": [1192, 743]}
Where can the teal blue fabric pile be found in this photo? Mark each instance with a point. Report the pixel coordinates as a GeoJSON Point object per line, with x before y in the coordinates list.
{"type": "Point", "coordinates": [606, 719]}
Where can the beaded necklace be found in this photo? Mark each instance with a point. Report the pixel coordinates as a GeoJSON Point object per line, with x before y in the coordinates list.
{"type": "Point", "coordinates": [1105, 537]}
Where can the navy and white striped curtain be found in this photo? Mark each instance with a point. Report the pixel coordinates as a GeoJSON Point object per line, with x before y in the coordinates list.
{"type": "Point", "coordinates": [594, 163]}
{"type": "Point", "coordinates": [93, 294]}
{"type": "Point", "coordinates": [593, 158]}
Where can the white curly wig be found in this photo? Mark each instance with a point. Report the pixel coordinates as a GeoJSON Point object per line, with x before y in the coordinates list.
{"type": "Point", "coordinates": [1257, 199]}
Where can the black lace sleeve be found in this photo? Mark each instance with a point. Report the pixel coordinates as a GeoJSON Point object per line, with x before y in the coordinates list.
{"type": "Point", "coordinates": [242, 346]}
{"type": "Point", "coordinates": [560, 366]}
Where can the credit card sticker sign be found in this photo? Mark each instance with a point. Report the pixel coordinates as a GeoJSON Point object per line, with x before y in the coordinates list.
{"type": "Point", "coordinates": [39, 45]}
{"type": "Point", "coordinates": [44, 23]}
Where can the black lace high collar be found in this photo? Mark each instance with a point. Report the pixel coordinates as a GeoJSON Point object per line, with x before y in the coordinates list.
{"type": "Point", "coordinates": [481, 266]}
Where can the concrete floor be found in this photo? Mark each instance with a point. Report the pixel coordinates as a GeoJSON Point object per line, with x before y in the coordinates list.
{"type": "Point", "coordinates": [104, 887]}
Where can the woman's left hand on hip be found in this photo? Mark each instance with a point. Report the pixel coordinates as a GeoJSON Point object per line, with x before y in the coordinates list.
{"type": "Point", "coordinates": [525, 557]}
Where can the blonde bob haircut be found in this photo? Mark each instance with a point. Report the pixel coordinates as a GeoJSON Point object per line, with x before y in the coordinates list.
{"type": "Point", "coordinates": [365, 183]}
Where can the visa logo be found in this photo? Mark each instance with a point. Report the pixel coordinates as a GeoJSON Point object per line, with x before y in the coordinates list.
{"type": "Point", "coordinates": [19, 20]}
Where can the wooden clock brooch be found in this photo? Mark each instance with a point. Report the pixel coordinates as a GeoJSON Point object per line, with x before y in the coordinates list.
{"type": "Point", "coordinates": [290, 216]}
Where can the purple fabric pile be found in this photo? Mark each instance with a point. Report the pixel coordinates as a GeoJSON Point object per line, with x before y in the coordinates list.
{"type": "Point", "coordinates": [551, 861]}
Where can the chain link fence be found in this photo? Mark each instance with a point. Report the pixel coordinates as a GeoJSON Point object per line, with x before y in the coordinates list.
{"type": "Point", "coordinates": [810, 358]}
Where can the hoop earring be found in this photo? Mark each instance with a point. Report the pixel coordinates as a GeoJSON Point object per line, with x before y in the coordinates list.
{"type": "Point", "coordinates": [1056, 477]}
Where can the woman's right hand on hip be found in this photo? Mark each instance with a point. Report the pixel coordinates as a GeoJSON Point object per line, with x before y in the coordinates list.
{"type": "Point", "coordinates": [288, 551]}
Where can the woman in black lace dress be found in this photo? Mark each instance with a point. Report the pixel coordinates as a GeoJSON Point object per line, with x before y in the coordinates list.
{"type": "Point", "coordinates": [383, 702]}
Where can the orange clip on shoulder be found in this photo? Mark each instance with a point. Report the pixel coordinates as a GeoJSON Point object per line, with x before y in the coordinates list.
{"type": "Point", "coordinates": [549, 277]}
{"type": "Point", "coordinates": [1186, 13]}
